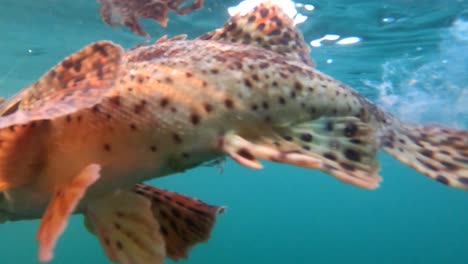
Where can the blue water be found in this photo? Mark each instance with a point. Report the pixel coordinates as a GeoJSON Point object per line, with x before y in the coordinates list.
{"type": "Point", "coordinates": [411, 58]}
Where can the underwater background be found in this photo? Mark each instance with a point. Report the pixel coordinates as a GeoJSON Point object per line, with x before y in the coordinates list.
{"type": "Point", "coordinates": [409, 56]}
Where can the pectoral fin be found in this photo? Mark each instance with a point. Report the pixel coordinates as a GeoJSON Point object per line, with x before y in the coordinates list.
{"type": "Point", "coordinates": [60, 207]}
{"type": "Point", "coordinates": [247, 153]}
{"type": "Point", "coordinates": [128, 232]}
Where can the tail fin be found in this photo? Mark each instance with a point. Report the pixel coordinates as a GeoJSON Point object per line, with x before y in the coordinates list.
{"type": "Point", "coordinates": [438, 152]}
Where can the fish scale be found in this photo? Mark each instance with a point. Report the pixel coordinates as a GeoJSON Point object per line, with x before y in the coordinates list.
{"type": "Point", "coordinates": [105, 119]}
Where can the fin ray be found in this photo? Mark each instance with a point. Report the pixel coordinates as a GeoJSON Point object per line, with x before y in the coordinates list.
{"type": "Point", "coordinates": [266, 26]}
{"type": "Point", "coordinates": [79, 81]}
{"type": "Point", "coordinates": [184, 221]}
{"type": "Point", "coordinates": [129, 11]}
{"type": "Point", "coordinates": [438, 152]}
{"type": "Point", "coordinates": [344, 147]}
{"type": "Point", "coordinates": [126, 228]}
{"type": "Point", "coordinates": [61, 206]}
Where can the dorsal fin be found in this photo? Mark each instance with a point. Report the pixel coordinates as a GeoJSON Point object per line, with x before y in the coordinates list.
{"type": "Point", "coordinates": [266, 26]}
{"type": "Point", "coordinates": [79, 81]}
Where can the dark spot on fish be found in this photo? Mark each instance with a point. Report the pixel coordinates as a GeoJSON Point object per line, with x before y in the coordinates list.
{"type": "Point", "coordinates": [140, 107]}
{"type": "Point", "coordinates": [247, 83]}
{"type": "Point", "coordinates": [463, 180]}
{"type": "Point", "coordinates": [442, 179]}
{"type": "Point", "coordinates": [275, 32]}
{"type": "Point", "coordinates": [163, 231]}
{"type": "Point", "coordinates": [120, 214]}
{"type": "Point", "coordinates": [231, 26]}
{"type": "Point", "coordinates": [119, 245]}
{"type": "Point", "coordinates": [67, 63]}
{"type": "Point", "coordinates": [12, 109]}
{"type": "Point", "coordinates": [229, 103]}
{"type": "Point", "coordinates": [427, 153]}
{"type": "Point", "coordinates": [153, 148]}
{"type": "Point", "coordinates": [330, 156]}
{"type": "Point", "coordinates": [77, 66]}
{"type": "Point", "coordinates": [306, 137]}
{"type": "Point", "coordinates": [298, 86]}
{"type": "Point", "coordinates": [461, 160]}
{"type": "Point", "coordinates": [177, 139]}
{"type": "Point", "coordinates": [329, 126]}
{"type": "Point", "coordinates": [195, 119]}
{"type": "Point", "coordinates": [176, 213]}
{"type": "Point", "coordinates": [195, 210]}
{"type": "Point", "coordinates": [100, 48]}
{"type": "Point", "coordinates": [107, 147]}
{"type": "Point", "coordinates": [352, 154]}
{"type": "Point", "coordinates": [281, 100]}
{"type": "Point", "coordinates": [115, 100]}
{"type": "Point", "coordinates": [191, 224]}
{"type": "Point", "coordinates": [449, 166]}
{"type": "Point", "coordinates": [278, 21]}
{"type": "Point", "coordinates": [427, 164]}
{"type": "Point", "coordinates": [261, 26]}
{"type": "Point", "coordinates": [173, 225]}
{"type": "Point", "coordinates": [208, 107]}
{"type": "Point", "coordinates": [264, 12]}
{"type": "Point", "coordinates": [99, 71]}
{"type": "Point", "coordinates": [96, 109]}
{"type": "Point", "coordinates": [163, 214]}
{"type": "Point", "coordinates": [245, 154]}
{"type": "Point", "coordinates": [347, 166]}
{"type": "Point", "coordinates": [287, 137]}
{"type": "Point", "coordinates": [351, 129]}
{"type": "Point", "coordinates": [164, 102]}
{"type": "Point", "coordinates": [263, 65]}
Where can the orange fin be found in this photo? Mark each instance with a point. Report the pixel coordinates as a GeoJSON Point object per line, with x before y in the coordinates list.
{"type": "Point", "coordinates": [61, 206]}
{"type": "Point", "coordinates": [247, 153]}
{"type": "Point", "coordinates": [267, 26]}
{"type": "Point", "coordinates": [184, 221]}
{"type": "Point", "coordinates": [127, 12]}
{"type": "Point", "coordinates": [440, 153]}
{"type": "Point", "coordinates": [80, 81]}
{"type": "Point", "coordinates": [128, 232]}
{"type": "Point", "coordinates": [90, 72]}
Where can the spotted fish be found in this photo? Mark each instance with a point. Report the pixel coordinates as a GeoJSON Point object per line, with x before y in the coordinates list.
{"type": "Point", "coordinates": [127, 12]}
{"type": "Point", "coordinates": [105, 119]}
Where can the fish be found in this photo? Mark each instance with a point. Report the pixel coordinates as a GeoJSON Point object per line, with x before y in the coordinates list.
{"type": "Point", "coordinates": [104, 119]}
{"type": "Point", "coordinates": [127, 12]}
